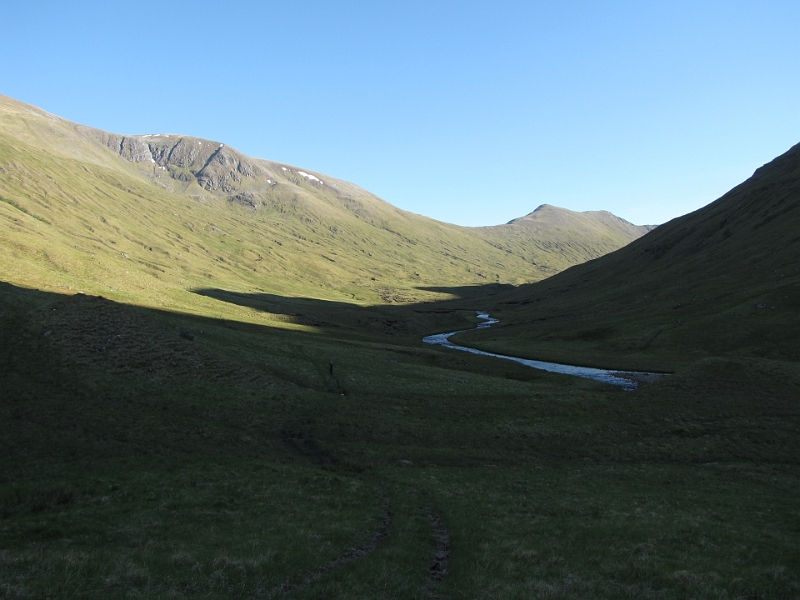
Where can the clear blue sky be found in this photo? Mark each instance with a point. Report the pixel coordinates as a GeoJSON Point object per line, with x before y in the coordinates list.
{"type": "Point", "coordinates": [468, 112]}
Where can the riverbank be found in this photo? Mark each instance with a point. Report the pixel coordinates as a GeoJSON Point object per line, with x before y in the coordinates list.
{"type": "Point", "coordinates": [628, 380]}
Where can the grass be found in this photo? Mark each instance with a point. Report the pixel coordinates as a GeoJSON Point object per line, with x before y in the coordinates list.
{"type": "Point", "coordinates": [227, 530]}
{"type": "Point", "coordinates": [723, 281]}
{"type": "Point", "coordinates": [618, 530]}
{"type": "Point", "coordinates": [260, 474]}
{"type": "Point", "coordinates": [77, 214]}
{"type": "Point", "coordinates": [183, 436]}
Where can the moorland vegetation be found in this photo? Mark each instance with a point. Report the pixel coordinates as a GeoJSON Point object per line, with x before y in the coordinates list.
{"type": "Point", "coordinates": [171, 424]}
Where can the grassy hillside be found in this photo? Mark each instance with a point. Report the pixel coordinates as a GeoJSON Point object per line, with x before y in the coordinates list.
{"type": "Point", "coordinates": [144, 218]}
{"type": "Point", "coordinates": [227, 413]}
{"type": "Point", "coordinates": [722, 281]}
{"type": "Point", "coordinates": [577, 237]}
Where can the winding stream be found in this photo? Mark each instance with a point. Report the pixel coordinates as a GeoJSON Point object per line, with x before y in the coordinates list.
{"type": "Point", "coordinates": [626, 379]}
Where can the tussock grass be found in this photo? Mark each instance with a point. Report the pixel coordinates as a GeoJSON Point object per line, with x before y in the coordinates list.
{"type": "Point", "coordinates": [184, 482]}
{"type": "Point", "coordinates": [722, 281]}
{"type": "Point", "coordinates": [183, 435]}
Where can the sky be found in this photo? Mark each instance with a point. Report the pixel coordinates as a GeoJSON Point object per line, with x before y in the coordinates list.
{"type": "Point", "coordinates": [472, 113]}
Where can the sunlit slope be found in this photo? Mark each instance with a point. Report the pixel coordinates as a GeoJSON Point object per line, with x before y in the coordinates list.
{"type": "Point", "coordinates": [575, 237]}
{"type": "Point", "coordinates": [151, 216]}
{"type": "Point", "coordinates": [722, 280]}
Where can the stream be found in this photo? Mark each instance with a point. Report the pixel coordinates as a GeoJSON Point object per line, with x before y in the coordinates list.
{"type": "Point", "coordinates": [628, 380]}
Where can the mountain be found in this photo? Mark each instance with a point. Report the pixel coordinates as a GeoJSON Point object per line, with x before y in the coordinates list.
{"type": "Point", "coordinates": [723, 280]}
{"type": "Point", "coordinates": [574, 236]}
{"type": "Point", "coordinates": [150, 216]}
{"type": "Point", "coordinates": [249, 410]}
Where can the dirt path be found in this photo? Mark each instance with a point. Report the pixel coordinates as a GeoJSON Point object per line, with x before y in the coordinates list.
{"type": "Point", "coordinates": [439, 566]}
{"type": "Point", "coordinates": [352, 555]}
{"type": "Point", "coordinates": [359, 551]}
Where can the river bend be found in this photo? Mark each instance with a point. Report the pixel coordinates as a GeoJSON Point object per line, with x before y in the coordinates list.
{"type": "Point", "coordinates": [626, 379]}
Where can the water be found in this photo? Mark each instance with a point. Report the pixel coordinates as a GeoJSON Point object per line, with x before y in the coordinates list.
{"type": "Point", "coordinates": [625, 379]}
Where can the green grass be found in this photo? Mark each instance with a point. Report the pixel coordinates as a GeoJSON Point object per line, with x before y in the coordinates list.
{"type": "Point", "coordinates": [224, 529]}
{"type": "Point", "coordinates": [136, 462]}
{"type": "Point", "coordinates": [259, 470]}
{"type": "Point", "coordinates": [75, 213]}
{"type": "Point", "coordinates": [723, 281]}
{"type": "Point", "coordinates": [619, 530]}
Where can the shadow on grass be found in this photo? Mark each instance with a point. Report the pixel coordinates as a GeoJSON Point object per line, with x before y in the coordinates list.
{"type": "Point", "coordinates": [233, 457]}
{"type": "Point", "coordinates": [395, 320]}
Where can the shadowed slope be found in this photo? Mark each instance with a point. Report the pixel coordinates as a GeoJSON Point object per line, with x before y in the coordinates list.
{"type": "Point", "coordinates": [724, 279]}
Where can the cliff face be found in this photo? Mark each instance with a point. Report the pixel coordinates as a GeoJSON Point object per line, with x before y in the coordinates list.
{"type": "Point", "coordinates": [213, 166]}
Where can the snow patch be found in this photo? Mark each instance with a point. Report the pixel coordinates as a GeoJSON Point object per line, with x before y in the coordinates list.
{"type": "Point", "coordinates": [306, 175]}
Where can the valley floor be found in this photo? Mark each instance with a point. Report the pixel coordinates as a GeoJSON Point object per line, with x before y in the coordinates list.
{"type": "Point", "coordinates": [137, 462]}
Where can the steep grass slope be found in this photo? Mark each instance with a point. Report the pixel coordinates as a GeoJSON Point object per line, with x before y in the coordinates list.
{"type": "Point", "coordinates": [722, 280]}
{"type": "Point", "coordinates": [147, 217]}
{"type": "Point", "coordinates": [183, 451]}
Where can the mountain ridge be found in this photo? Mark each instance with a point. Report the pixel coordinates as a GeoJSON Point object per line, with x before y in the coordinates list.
{"type": "Point", "coordinates": [241, 402]}
{"type": "Point", "coordinates": [721, 280]}
{"type": "Point", "coordinates": [184, 208]}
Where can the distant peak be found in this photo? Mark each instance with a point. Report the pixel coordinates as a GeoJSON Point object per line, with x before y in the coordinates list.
{"type": "Point", "coordinates": [536, 213]}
